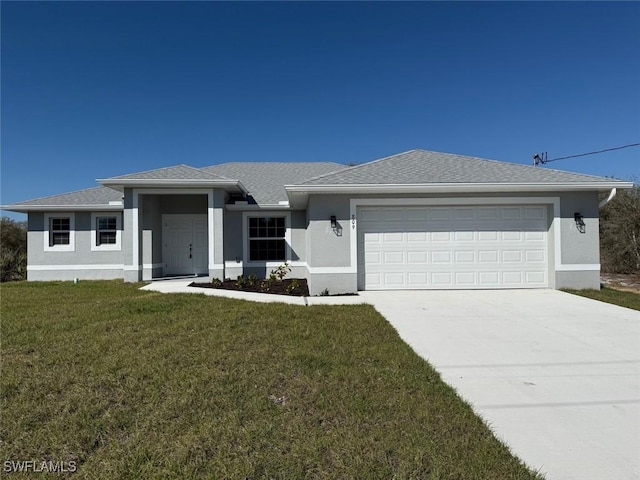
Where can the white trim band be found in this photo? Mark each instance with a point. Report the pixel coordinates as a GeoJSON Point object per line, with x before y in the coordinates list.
{"type": "Point", "coordinates": [578, 267]}
{"type": "Point", "coordinates": [38, 268]}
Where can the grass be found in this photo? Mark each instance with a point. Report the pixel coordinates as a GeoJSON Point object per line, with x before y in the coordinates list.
{"type": "Point", "coordinates": [133, 384]}
{"type": "Point", "coordinates": [610, 295]}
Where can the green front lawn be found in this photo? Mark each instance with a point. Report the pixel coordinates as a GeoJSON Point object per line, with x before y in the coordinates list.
{"type": "Point", "coordinates": [609, 295]}
{"type": "Point", "coordinates": [133, 384]}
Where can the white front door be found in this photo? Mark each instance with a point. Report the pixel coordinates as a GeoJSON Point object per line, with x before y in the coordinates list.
{"type": "Point", "coordinates": [453, 247]}
{"type": "Point", "coordinates": [184, 244]}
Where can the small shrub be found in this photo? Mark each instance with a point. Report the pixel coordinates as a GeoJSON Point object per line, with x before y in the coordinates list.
{"type": "Point", "coordinates": [324, 293]}
{"type": "Point", "coordinates": [216, 282]}
{"type": "Point", "coordinates": [280, 272]}
{"type": "Point", "coordinates": [252, 280]}
{"type": "Point", "coordinates": [265, 286]}
{"type": "Point", "coordinates": [294, 287]}
{"type": "Point", "coordinates": [241, 282]}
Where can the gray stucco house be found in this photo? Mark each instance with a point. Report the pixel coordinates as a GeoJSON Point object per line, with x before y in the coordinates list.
{"type": "Point", "coordinates": [416, 220]}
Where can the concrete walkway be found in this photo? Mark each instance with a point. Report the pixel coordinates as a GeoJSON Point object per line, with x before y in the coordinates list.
{"type": "Point", "coordinates": [556, 376]}
{"type": "Point", "coordinates": [182, 286]}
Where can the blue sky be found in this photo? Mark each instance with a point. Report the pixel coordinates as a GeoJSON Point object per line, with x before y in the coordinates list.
{"type": "Point", "coordinates": [92, 90]}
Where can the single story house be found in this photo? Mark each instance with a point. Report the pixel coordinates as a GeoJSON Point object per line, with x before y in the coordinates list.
{"type": "Point", "coordinates": [416, 220]}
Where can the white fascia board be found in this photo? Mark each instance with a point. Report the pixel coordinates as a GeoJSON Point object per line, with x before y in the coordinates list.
{"type": "Point", "coordinates": [256, 207]}
{"type": "Point", "coordinates": [62, 208]}
{"type": "Point", "coordinates": [177, 183]}
{"type": "Point", "coordinates": [456, 187]}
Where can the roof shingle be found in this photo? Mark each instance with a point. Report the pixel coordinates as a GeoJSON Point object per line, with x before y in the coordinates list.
{"type": "Point", "coordinates": [424, 167]}
{"type": "Point", "coordinates": [266, 180]}
{"type": "Point", "coordinates": [179, 172]}
{"type": "Point", "coordinates": [89, 196]}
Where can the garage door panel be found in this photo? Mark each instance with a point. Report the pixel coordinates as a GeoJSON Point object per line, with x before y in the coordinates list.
{"type": "Point", "coordinates": [536, 278]}
{"type": "Point", "coordinates": [392, 237]}
{"type": "Point", "coordinates": [465, 278]}
{"type": "Point", "coordinates": [511, 256]}
{"type": "Point", "coordinates": [464, 236]}
{"type": "Point", "coordinates": [441, 236]}
{"type": "Point", "coordinates": [489, 279]}
{"type": "Point", "coordinates": [372, 258]}
{"type": "Point", "coordinates": [441, 257]}
{"type": "Point", "coordinates": [513, 279]}
{"type": "Point", "coordinates": [534, 236]}
{"type": "Point", "coordinates": [418, 279]}
{"type": "Point", "coordinates": [417, 257]}
{"type": "Point", "coordinates": [453, 247]}
{"type": "Point", "coordinates": [490, 236]}
{"type": "Point", "coordinates": [535, 256]}
{"type": "Point", "coordinates": [417, 237]}
{"type": "Point", "coordinates": [465, 256]}
{"type": "Point", "coordinates": [512, 236]}
{"type": "Point", "coordinates": [394, 279]}
{"type": "Point", "coordinates": [442, 279]}
{"type": "Point", "coordinates": [393, 257]}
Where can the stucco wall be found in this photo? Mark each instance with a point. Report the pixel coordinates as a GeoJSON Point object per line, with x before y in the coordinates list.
{"type": "Point", "coordinates": [326, 248]}
{"type": "Point", "coordinates": [151, 236]}
{"type": "Point", "coordinates": [234, 244]}
{"type": "Point", "coordinates": [83, 262]}
{"type": "Point", "coordinates": [580, 247]}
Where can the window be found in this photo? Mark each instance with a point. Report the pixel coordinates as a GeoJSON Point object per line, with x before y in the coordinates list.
{"type": "Point", "coordinates": [59, 231]}
{"type": "Point", "coordinates": [267, 239]}
{"type": "Point", "coordinates": [106, 231]}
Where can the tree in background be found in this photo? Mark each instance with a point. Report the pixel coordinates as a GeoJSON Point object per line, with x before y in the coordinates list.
{"type": "Point", "coordinates": [620, 233]}
{"type": "Point", "coordinates": [13, 250]}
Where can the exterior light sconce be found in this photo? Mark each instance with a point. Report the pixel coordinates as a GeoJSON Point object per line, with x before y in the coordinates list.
{"type": "Point", "coordinates": [335, 226]}
{"type": "Point", "coordinates": [579, 219]}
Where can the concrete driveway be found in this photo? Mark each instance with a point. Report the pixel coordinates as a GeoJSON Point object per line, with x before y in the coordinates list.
{"type": "Point", "coordinates": [556, 376]}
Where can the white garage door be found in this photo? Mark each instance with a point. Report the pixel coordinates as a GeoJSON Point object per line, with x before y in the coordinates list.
{"type": "Point", "coordinates": [452, 247]}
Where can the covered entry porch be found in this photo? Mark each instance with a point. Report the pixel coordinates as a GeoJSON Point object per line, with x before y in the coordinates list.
{"type": "Point", "coordinates": [177, 232]}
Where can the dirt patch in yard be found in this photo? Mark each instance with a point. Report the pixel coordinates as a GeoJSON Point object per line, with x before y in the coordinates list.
{"type": "Point", "coordinates": [623, 282]}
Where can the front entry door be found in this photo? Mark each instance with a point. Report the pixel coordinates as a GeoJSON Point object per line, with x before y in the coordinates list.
{"type": "Point", "coordinates": [184, 241]}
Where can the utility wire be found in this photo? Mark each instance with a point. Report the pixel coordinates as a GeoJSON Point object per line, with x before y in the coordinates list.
{"type": "Point", "coordinates": [593, 153]}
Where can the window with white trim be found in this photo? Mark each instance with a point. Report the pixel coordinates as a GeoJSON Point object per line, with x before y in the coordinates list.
{"type": "Point", "coordinates": [106, 230]}
{"type": "Point", "coordinates": [267, 239]}
{"type": "Point", "coordinates": [59, 231]}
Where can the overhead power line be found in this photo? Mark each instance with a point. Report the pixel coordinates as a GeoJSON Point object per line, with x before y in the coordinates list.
{"type": "Point", "coordinates": [541, 159]}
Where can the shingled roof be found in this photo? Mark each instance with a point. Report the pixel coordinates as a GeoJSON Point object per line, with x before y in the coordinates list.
{"type": "Point", "coordinates": [265, 181]}
{"type": "Point", "coordinates": [424, 167]}
{"type": "Point", "coordinates": [179, 172]}
{"type": "Point", "coordinates": [90, 197]}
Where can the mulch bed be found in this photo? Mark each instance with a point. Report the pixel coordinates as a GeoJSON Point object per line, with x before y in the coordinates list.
{"type": "Point", "coordinates": [279, 288]}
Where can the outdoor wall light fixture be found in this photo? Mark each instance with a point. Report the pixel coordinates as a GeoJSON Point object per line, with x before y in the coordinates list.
{"type": "Point", "coordinates": [579, 219]}
{"type": "Point", "coordinates": [334, 222]}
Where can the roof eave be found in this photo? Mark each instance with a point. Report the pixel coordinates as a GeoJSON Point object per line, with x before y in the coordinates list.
{"type": "Point", "coordinates": [170, 183]}
{"type": "Point", "coordinates": [62, 208]}
{"type": "Point", "coordinates": [458, 187]}
{"type": "Point", "coordinates": [298, 194]}
{"type": "Point", "coordinates": [257, 207]}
